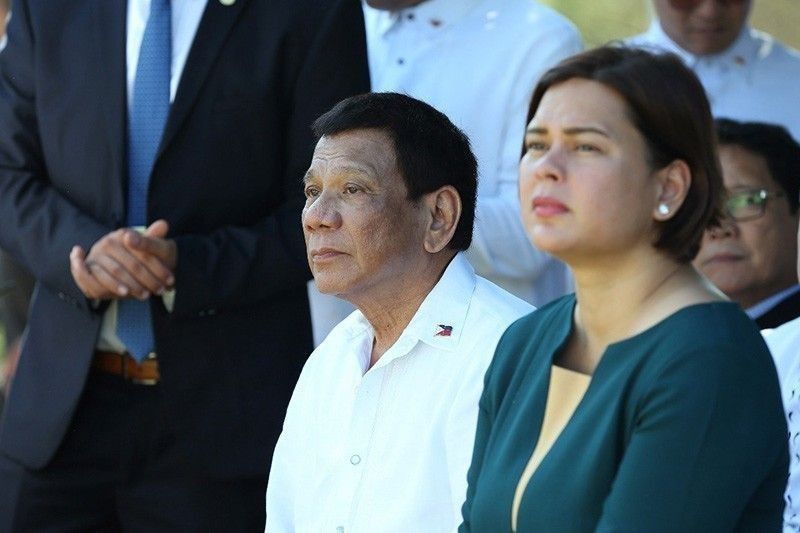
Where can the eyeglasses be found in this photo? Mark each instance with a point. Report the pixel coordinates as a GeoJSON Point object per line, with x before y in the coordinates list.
{"type": "Point", "coordinates": [687, 5]}
{"type": "Point", "coordinates": [748, 204]}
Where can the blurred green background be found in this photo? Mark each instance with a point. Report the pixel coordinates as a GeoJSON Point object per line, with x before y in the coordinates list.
{"type": "Point", "coordinates": [604, 20]}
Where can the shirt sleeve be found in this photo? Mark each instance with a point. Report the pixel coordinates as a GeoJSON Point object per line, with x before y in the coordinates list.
{"type": "Point", "coordinates": [461, 427]}
{"type": "Point", "coordinates": [287, 471]}
{"type": "Point", "coordinates": [708, 441]}
{"type": "Point", "coordinates": [500, 247]}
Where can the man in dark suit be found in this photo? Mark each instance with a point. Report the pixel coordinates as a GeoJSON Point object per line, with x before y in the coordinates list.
{"type": "Point", "coordinates": [751, 256]}
{"type": "Point", "coordinates": [180, 440]}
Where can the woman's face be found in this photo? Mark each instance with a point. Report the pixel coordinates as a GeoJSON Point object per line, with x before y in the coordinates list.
{"type": "Point", "coordinates": [586, 188]}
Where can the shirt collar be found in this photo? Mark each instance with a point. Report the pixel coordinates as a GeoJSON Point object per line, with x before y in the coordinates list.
{"type": "Point", "coordinates": [441, 318]}
{"type": "Point", "coordinates": [742, 52]}
{"type": "Point", "coordinates": [765, 305]}
{"type": "Point", "coordinates": [433, 14]}
{"type": "Point", "coordinates": [439, 321]}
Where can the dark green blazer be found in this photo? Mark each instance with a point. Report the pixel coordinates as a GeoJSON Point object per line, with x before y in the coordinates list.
{"type": "Point", "coordinates": [680, 430]}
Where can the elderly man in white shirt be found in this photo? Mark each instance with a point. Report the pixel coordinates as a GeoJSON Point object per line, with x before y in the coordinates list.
{"type": "Point", "coordinates": [477, 61]}
{"type": "Point", "coordinates": [379, 432]}
{"type": "Point", "coordinates": [747, 74]}
{"type": "Point", "coordinates": [784, 343]}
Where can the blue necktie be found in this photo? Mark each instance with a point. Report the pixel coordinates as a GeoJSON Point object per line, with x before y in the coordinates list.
{"type": "Point", "coordinates": [147, 115]}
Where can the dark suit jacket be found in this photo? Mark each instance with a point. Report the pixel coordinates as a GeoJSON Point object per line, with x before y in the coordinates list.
{"type": "Point", "coordinates": [784, 311]}
{"type": "Point", "coordinates": [227, 179]}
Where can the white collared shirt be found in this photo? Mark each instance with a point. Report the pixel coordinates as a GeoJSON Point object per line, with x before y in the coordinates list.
{"type": "Point", "coordinates": [755, 79]}
{"type": "Point", "coordinates": [477, 61]}
{"type": "Point", "coordinates": [766, 304]}
{"type": "Point", "coordinates": [186, 15]}
{"type": "Point", "coordinates": [387, 449]}
{"type": "Point", "coordinates": [784, 344]}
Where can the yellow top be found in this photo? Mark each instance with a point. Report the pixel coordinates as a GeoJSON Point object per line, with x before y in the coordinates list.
{"type": "Point", "coordinates": [567, 387]}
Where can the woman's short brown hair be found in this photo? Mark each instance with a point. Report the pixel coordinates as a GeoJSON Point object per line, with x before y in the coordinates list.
{"type": "Point", "coordinates": [668, 106]}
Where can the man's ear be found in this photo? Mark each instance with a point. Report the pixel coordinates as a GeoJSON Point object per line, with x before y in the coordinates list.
{"type": "Point", "coordinates": [444, 207]}
{"type": "Point", "coordinates": [673, 183]}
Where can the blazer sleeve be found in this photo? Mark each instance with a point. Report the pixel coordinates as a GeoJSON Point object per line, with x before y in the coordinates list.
{"type": "Point", "coordinates": [39, 224]}
{"type": "Point", "coordinates": [707, 441]}
{"type": "Point", "coordinates": [236, 266]}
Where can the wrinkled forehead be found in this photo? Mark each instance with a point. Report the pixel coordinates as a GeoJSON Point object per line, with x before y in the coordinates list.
{"type": "Point", "coordinates": [366, 150]}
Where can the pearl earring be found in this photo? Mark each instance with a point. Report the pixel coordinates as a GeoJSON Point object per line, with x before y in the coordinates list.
{"type": "Point", "coordinates": [663, 209]}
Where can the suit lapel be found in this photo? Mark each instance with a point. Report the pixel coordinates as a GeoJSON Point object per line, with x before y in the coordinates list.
{"type": "Point", "coordinates": [110, 38]}
{"type": "Point", "coordinates": [217, 22]}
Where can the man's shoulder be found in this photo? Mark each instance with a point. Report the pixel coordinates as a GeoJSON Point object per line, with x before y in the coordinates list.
{"type": "Point", "coordinates": [784, 342]}
{"type": "Point", "coordinates": [533, 16]}
{"type": "Point", "coordinates": [490, 300]}
{"type": "Point", "coordinates": [770, 47]}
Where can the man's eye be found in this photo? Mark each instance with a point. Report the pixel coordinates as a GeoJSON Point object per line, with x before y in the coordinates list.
{"type": "Point", "coordinates": [536, 146]}
{"type": "Point", "coordinates": [351, 189]}
{"type": "Point", "coordinates": [311, 192]}
{"type": "Point", "coordinates": [587, 148]}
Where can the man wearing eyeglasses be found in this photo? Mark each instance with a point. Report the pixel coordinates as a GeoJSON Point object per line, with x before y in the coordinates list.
{"type": "Point", "coordinates": [752, 255]}
{"type": "Point", "coordinates": [747, 74]}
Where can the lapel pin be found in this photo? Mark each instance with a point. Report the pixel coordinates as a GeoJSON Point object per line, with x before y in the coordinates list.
{"type": "Point", "coordinates": [227, 2]}
{"type": "Point", "coordinates": [444, 331]}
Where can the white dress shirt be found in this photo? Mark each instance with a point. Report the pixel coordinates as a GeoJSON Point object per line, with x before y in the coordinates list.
{"type": "Point", "coordinates": [478, 62]}
{"type": "Point", "coordinates": [387, 449]}
{"type": "Point", "coordinates": [755, 79]}
{"type": "Point", "coordinates": [784, 343]}
{"type": "Point", "coordinates": [765, 305]}
{"type": "Point", "coordinates": [186, 15]}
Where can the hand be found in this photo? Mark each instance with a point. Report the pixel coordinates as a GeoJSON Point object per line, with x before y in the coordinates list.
{"type": "Point", "coordinates": [124, 264]}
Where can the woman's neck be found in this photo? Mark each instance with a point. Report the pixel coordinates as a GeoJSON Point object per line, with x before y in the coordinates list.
{"type": "Point", "coordinates": [624, 298]}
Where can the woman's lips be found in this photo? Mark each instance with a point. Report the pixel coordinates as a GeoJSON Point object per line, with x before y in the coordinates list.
{"type": "Point", "coordinates": [545, 206]}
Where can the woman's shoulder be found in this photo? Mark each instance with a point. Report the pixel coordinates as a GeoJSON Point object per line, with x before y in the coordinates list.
{"type": "Point", "coordinates": [534, 335]}
{"type": "Point", "coordinates": [706, 342]}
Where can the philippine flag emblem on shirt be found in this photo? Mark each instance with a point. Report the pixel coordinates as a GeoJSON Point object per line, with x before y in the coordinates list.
{"type": "Point", "coordinates": [444, 331]}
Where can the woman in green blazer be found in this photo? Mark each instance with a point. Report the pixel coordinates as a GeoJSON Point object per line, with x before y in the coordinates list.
{"type": "Point", "coordinates": [646, 401]}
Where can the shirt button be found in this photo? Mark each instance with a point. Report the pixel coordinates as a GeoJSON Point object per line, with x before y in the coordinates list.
{"type": "Point", "coordinates": [401, 61]}
{"type": "Point", "coordinates": [355, 459]}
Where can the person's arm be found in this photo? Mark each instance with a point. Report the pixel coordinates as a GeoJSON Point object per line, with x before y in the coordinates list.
{"type": "Point", "coordinates": [236, 266]}
{"type": "Point", "coordinates": [288, 472]}
{"type": "Point", "coordinates": [708, 432]}
{"type": "Point", "coordinates": [39, 224]}
{"type": "Point", "coordinates": [500, 246]}
{"type": "Point", "coordinates": [482, 432]}
{"type": "Point", "coordinates": [460, 431]}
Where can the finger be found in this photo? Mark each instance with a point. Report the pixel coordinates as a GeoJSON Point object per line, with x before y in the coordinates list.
{"type": "Point", "coordinates": [150, 253]}
{"type": "Point", "coordinates": [115, 277]}
{"type": "Point", "coordinates": [157, 229]}
{"type": "Point", "coordinates": [86, 282]}
{"type": "Point", "coordinates": [164, 250]}
{"type": "Point", "coordinates": [140, 269]}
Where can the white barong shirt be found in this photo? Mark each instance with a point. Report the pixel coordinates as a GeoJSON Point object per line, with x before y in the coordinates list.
{"type": "Point", "coordinates": [387, 449]}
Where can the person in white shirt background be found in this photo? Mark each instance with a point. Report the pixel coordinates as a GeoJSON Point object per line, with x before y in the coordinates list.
{"type": "Point", "coordinates": [379, 431]}
{"type": "Point", "coordinates": [747, 74]}
{"type": "Point", "coordinates": [477, 61]}
{"type": "Point", "coordinates": [751, 255]}
{"type": "Point", "coordinates": [784, 343]}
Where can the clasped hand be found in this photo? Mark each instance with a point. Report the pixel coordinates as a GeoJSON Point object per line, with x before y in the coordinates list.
{"type": "Point", "coordinates": [126, 264]}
